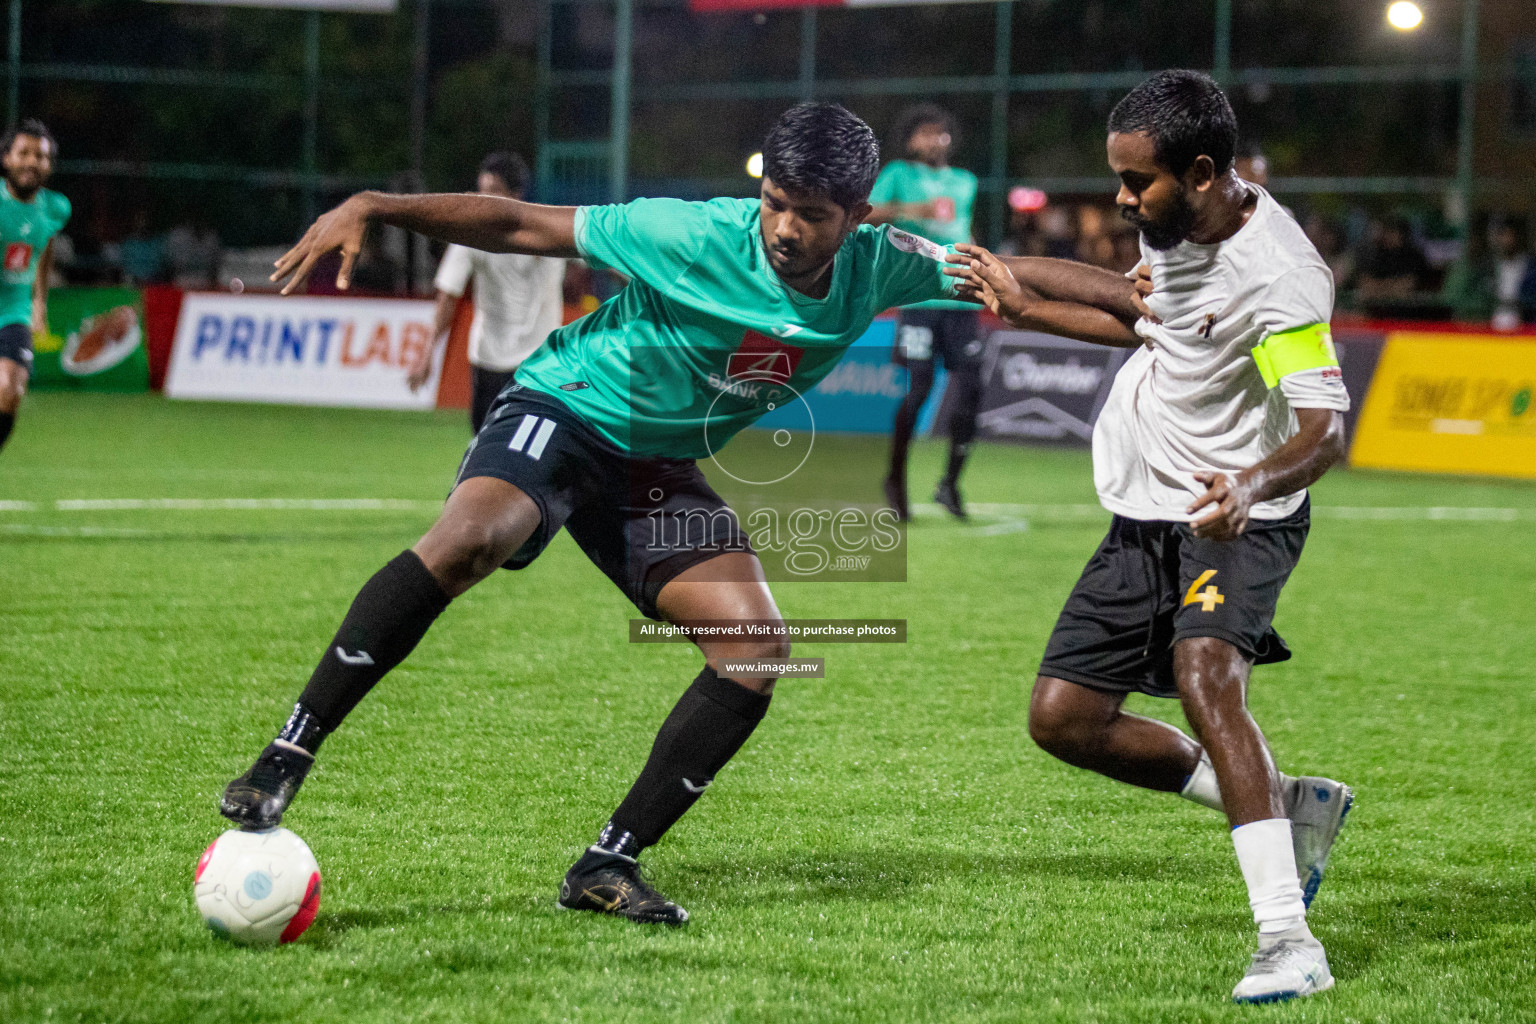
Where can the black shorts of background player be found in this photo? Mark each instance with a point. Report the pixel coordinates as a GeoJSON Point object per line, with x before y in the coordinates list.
{"type": "Point", "coordinates": [923, 338]}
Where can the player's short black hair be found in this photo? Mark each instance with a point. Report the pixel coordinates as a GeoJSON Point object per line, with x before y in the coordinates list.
{"type": "Point", "coordinates": [1187, 115]}
{"type": "Point", "coordinates": [511, 168]}
{"type": "Point", "coordinates": [914, 117]}
{"type": "Point", "coordinates": [28, 126]}
{"type": "Point", "coordinates": [823, 149]}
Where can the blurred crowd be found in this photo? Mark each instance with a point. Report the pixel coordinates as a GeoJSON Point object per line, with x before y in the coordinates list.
{"type": "Point", "coordinates": [1388, 266]}
{"type": "Point", "coordinates": [1385, 265]}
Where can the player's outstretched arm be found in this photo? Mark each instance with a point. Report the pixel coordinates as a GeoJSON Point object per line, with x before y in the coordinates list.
{"type": "Point", "coordinates": [986, 278]}
{"type": "Point", "coordinates": [1317, 444]}
{"type": "Point", "coordinates": [1069, 281]}
{"type": "Point", "coordinates": [491, 223]}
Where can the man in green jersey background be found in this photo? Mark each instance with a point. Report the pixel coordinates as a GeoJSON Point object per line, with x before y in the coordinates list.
{"type": "Point", "coordinates": [922, 194]}
{"type": "Point", "coordinates": [732, 306]}
{"type": "Point", "coordinates": [30, 215]}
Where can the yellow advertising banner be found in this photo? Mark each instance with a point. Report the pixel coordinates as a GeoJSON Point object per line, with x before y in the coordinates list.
{"type": "Point", "coordinates": [1451, 403]}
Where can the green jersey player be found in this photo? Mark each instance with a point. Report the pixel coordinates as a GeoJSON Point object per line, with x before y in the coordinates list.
{"type": "Point", "coordinates": [30, 215]}
{"type": "Point", "coordinates": [732, 305]}
{"type": "Point", "coordinates": [923, 194]}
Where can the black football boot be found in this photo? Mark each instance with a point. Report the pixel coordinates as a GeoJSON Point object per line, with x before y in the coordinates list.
{"type": "Point", "coordinates": [256, 800]}
{"type": "Point", "coordinates": [611, 883]}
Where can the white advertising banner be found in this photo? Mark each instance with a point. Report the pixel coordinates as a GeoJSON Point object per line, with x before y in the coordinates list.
{"type": "Point", "coordinates": [302, 351]}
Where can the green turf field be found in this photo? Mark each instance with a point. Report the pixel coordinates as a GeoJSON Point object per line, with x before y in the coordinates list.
{"type": "Point", "coordinates": [888, 847]}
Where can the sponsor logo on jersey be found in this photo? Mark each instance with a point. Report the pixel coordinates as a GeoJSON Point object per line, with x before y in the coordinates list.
{"type": "Point", "coordinates": [763, 358]}
{"type": "Point", "coordinates": [575, 385]}
{"type": "Point", "coordinates": [18, 257]}
{"type": "Point", "coordinates": [908, 242]}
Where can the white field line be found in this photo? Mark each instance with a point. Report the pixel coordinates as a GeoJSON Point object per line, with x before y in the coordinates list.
{"type": "Point", "coordinates": [1408, 513]}
{"type": "Point", "coordinates": [223, 505]}
{"type": "Point", "coordinates": [1011, 513]}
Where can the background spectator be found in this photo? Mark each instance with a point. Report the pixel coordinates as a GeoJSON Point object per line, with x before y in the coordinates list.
{"type": "Point", "coordinates": [1393, 266]}
{"type": "Point", "coordinates": [1514, 275]}
{"type": "Point", "coordinates": [142, 254]}
{"type": "Point", "coordinates": [192, 254]}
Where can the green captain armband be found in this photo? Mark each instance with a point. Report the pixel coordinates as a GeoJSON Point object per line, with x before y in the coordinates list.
{"type": "Point", "coordinates": [1305, 348]}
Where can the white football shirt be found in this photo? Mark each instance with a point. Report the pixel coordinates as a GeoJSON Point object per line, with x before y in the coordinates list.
{"type": "Point", "coordinates": [518, 301]}
{"type": "Point", "coordinates": [1192, 398]}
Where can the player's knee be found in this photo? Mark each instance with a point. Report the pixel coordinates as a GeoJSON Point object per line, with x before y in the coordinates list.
{"type": "Point", "coordinates": [1055, 724]}
{"type": "Point", "coordinates": [767, 649]}
{"type": "Point", "coordinates": [11, 392]}
{"type": "Point", "coordinates": [464, 549]}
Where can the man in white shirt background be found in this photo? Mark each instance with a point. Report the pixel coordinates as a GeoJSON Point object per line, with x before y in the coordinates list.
{"type": "Point", "coordinates": [1231, 406]}
{"type": "Point", "coordinates": [1514, 279]}
{"type": "Point", "coordinates": [518, 299]}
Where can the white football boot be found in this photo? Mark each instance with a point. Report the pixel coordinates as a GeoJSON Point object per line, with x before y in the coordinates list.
{"type": "Point", "coordinates": [1287, 966]}
{"type": "Point", "coordinates": [1317, 808]}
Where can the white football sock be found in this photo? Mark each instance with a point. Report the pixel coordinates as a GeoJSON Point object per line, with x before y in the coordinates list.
{"type": "Point", "coordinates": [1201, 785]}
{"type": "Point", "coordinates": [1269, 867]}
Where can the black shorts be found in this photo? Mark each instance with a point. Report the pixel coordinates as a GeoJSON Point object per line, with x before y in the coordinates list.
{"type": "Point", "coordinates": [642, 521]}
{"type": "Point", "coordinates": [950, 335]}
{"type": "Point", "coordinates": [16, 343]}
{"type": "Point", "coordinates": [1151, 584]}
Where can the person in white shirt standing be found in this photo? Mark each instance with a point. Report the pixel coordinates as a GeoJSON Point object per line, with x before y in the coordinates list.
{"type": "Point", "coordinates": [1229, 409]}
{"type": "Point", "coordinates": [518, 299]}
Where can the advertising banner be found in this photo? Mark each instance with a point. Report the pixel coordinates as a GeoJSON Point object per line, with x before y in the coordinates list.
{"type": "Point", "coordinates": [1038, 387]}
{"type": "Point", "coordinates": [95, 342]}
{"type": "Point", "coordinates": [302, 351]}
{"type": "Point", "coordinates": [1451, 403]}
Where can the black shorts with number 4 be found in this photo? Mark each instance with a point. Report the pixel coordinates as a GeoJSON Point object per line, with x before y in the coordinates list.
{"type": "Point", "coordinates": [1152, 584]}
{"type": "Point", "coordinates": [642, 521]}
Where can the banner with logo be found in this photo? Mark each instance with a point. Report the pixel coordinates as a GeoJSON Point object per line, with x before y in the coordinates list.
{"type": "Point", "coordinates": [1038, 387]}
{"type": "Point", "coordinates": [302, 350]}
{"type": "Point", "coordinates": [1451, 403]}
{"type": "Point", "coordinates": [94, 342]}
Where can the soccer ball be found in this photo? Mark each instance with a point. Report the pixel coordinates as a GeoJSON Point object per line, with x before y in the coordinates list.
{"type": "Point", "coordinates": [257, 888]}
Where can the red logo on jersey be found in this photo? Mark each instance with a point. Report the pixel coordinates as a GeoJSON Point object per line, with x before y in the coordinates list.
{"type": "Point", "coordinates": [18, 256]}
{"type": "Point", "coordinates": [944, 209]}
{"type": "Point", "coordinates": [763, 358]}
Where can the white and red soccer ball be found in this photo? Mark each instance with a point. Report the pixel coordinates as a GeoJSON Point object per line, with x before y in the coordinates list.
{"type": "Point", "coordinates": [257, 888]}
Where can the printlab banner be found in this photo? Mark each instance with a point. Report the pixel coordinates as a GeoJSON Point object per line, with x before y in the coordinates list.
{"type": "Point", "coordinates": [1038, 387]}
{"type": "Point", "coordinates": [94, 342]}
{"type": "Point", "coordinates": [302, 351]}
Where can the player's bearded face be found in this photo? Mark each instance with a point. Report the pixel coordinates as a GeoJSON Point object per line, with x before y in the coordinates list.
{"type": "Point", "coordinates": [1150, 197]}
{"type": "Point", "coordinates": [1170, 226]}
{"type": "Point", "coordinates": [28, 163]}
{"type": "Point", "coordinates": [802, 233]}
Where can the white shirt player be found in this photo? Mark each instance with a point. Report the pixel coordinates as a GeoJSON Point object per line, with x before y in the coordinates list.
{"type": "Point", "coordinates": [1193, 397]}
{"type": "Point", "coordinates": [518, 302]}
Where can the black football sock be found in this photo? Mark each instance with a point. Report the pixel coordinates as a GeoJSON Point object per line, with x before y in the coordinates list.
{"type": "Point", "coordinates": [387, 620]}
{"type": "Point", "coordinates": [957, 454]}
{"type": "Point", "coordinates": [706, 728]}
{"type": "Point", "coordinates": [7, 421]}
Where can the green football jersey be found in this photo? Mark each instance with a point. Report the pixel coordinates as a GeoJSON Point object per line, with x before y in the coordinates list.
{"type": "Point", "coordinates": [706, 338]}
{"type": "Point", "coordinates": [25, 231]}
{"type": "Point", "coordinates": [953, 189]}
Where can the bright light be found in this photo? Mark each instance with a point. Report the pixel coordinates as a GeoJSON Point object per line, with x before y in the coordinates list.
{"type": "Point", "coordinates": [755, 165]}
{"type": "Point", "coordinates": [1405, 16]}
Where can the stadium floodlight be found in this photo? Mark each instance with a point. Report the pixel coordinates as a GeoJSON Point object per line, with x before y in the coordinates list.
{"type": "Point", "coordinates": [755, 165]}
{"type": "Point", "coordinates": [1405, 15]}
